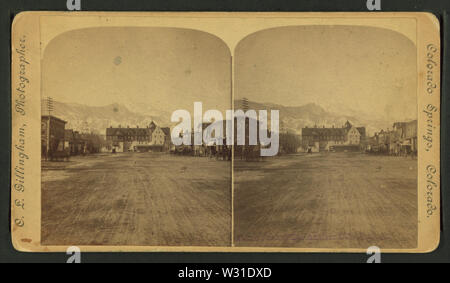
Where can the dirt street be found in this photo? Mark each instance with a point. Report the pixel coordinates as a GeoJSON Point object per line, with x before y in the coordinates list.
{"type": "Point", "coordinates": [136, 199]}
{"type": "Point", "coordinates": [346, 200]}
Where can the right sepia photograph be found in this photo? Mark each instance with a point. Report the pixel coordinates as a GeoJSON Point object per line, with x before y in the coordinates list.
{"type": "Point", "coordinates": [345, 175]}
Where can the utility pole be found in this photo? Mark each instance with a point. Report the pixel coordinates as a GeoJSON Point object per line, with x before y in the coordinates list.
{"type": "Point", "coordinates": [245, 104]}
{"type": "Point", "coordinates": [49, 104]}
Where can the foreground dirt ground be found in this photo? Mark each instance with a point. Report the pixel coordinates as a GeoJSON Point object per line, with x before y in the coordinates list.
{"type": "Point", "coordinates": [321, 200]}
{"type": "Point", "coordinates": [136, 199]}
{"type": "Point", "coordinates": [346, 200]}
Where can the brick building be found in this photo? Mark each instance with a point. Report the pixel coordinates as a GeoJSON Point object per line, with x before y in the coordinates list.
{"type": "Point", "coordinates": [52, 134]}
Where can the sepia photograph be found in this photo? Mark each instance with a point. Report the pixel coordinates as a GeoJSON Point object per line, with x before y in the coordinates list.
{"type": "Point", "coordinates": [110, 172]}
{"type": "Point", "coordinates": [225, 132]}
{"type": "Point", "coordinates": [346, 170]}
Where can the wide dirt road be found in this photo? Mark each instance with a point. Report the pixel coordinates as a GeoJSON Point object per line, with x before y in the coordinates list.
{"type": "Point", "coordinates": [136, 199]}
{"type": "Point", "coordinates": [346, 200]}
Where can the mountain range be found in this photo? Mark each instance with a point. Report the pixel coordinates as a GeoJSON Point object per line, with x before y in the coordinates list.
{"type": "Point", "coordinates": [294, 118]}
{"type": "Point", "coordinates": [96, 119]}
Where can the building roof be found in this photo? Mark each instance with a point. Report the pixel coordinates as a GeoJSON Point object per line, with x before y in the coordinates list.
{"type": "Point", "coordinates": [411, 123]}
{"type": "Point", "coordinates": [362, 131]}
{"type": "Point", "coordinates": [166, 131]}
{"type": "Point", "coordinates": [324, 132]}
{"type": "Point", "coordinates": [128, 131]}
{"type": "Point", "coordinates": [348, 125]}
{"type": "Point", "coordinates": [136, 131]}
{"type": "Point", "coordinates": [399, 124]}
{"type": "Point", "coordinates": [152, 126]}
{"type": "Point", "coordinates": [330, 131]}
{"type": "Point", "coordinates": [51, 117]}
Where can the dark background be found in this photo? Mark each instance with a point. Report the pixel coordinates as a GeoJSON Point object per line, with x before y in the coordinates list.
{"type": "Point", "coordinates": [8, 9]}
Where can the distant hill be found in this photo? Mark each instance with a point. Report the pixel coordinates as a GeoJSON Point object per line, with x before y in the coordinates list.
{"type": "Point", "coordinates": [97, 118]}
{"type": "Point", "coordinates": [294, 118]}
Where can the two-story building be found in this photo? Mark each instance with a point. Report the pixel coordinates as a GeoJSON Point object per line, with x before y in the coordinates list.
{"type": "Point", "coordinates": [52, 134]}
{"type": "Point", "coordinates": [348, 137]}
{"type": "Point", "coordinates": [403, 137]}
{"type": "Point", "coordinates": [151, 138]}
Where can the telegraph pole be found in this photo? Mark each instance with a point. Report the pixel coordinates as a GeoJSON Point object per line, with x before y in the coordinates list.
{"type": "Point", "coordinates": [49, 104]}
{"type": "Point", "coordinates": [245, 104]}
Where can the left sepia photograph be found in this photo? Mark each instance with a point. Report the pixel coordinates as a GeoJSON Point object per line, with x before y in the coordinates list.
{"type": "Point", "coordinates": [110, 174]}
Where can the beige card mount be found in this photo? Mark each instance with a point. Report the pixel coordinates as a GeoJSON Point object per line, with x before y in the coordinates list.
{"type": "Point", "coordinates": [353, 158]}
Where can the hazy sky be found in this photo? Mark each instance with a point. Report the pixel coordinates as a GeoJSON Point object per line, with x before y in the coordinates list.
{"type": "Point", "coordinates": [364, 69]}
{"type": "Point", "coordinates": [146, 69]}
{"type": "Point", "coordinates": [344, 69]}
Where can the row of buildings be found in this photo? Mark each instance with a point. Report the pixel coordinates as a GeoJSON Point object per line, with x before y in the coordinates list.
{"type": "Point", "coordinates": [56, 139]}
{"type": "Point", "coordinates": [400, 140]}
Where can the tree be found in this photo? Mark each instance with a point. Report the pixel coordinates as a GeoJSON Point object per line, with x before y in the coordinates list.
{"type": "Point", "coordinates": [289, 142]}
